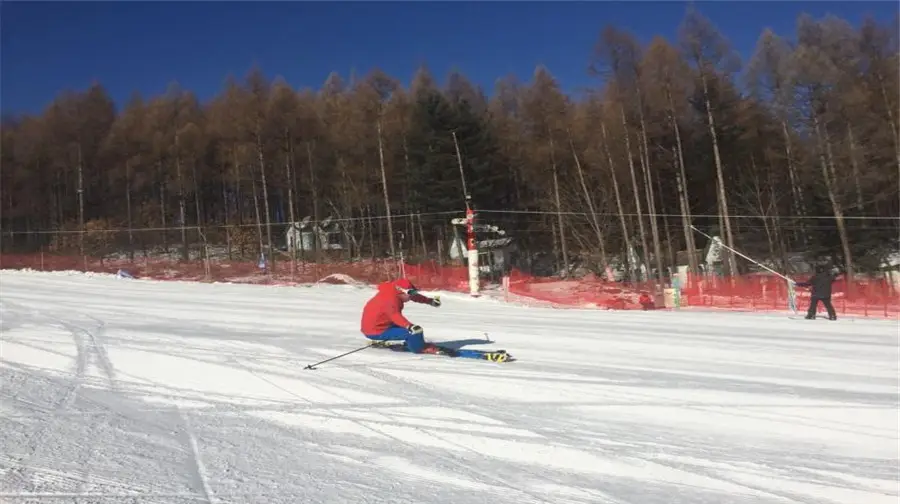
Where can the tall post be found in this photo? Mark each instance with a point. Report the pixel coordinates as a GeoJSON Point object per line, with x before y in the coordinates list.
{"type": "Point", "coordinates": [471, 245]}
{"type": "Point", "coordinates": [401, 264]}
{"type": "Point", "coordinates": [472, 248]}
{"type": "Point", "coordinates": [384, 187]}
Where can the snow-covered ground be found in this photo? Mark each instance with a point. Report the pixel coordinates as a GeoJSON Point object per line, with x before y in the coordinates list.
{"type": "Point", "coordinates": [119, 390]}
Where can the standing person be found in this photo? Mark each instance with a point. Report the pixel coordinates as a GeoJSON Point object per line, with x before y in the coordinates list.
{"type": "Point", "coordinates": [383, 320]}
{"type": "Point", "coordinates": [821, 291]}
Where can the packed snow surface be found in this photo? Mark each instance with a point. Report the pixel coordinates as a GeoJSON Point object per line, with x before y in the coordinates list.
{"type": "Point", "coordinates": [118, 390]}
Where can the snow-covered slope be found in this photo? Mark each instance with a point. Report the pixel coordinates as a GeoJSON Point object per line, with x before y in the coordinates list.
{"type": "Point", "coordinates": [138, 391]}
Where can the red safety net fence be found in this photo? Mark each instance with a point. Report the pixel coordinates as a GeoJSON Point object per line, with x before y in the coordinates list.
{"type": "Point", "coordinates": [754, 292]}
{"type": "Point", "coordinates": [764, 292]}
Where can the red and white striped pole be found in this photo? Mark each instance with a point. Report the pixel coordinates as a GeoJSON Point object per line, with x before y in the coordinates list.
{"type": "Point", "coordinates": [472, 248]}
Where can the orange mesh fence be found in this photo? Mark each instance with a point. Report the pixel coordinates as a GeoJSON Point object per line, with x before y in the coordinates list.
{"type": "Point", "coordinates": [583, 292]}
{"type": "Point", "coordinates": [754, 292]}
{"type": "Point", "coordinates": [432, 276]}
{"type": "Point", "coordinates": [871, 298]}
{"type": "Point", "coordinates": [758, 292]}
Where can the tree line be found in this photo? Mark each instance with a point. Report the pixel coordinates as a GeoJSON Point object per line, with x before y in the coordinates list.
{"type": "Point", "coordinates": [796, 149]}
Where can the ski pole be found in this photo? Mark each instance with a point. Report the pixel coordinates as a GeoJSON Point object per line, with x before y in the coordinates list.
{"type": "Point", "coordinates": [313, 366]}
{"type": "Point", "coordinates": [745, 257]}
{"type": "Point", "coordinates": [792, 302]}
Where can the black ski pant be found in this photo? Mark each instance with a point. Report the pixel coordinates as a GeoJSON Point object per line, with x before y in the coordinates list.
{"type": "Point", "coordinates": [814, 303]}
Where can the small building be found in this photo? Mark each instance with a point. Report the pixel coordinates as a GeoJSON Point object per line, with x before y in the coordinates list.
{"type": "Point", "coordinates": [891, 268]}
{"type": "Point", "coordinates": [306, 236]}
{"type": "Point", "coordinates": [495, 249]}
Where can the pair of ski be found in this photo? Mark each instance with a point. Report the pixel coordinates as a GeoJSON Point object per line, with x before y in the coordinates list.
{"type": "Point", "coordinates": [433, 349]}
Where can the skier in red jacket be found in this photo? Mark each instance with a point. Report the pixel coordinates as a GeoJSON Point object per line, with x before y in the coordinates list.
{"type": "Point", "coordinates": [383, 320]}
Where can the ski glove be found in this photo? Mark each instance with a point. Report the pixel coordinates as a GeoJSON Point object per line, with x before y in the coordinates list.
{"type": "Point", "coordinates": [436, 301]}
{"type": "Point", "coordinates": [415, 329]}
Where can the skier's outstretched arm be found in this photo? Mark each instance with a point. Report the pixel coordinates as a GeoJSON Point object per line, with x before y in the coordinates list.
{"type": "Point", "coordinates": [420, 298]}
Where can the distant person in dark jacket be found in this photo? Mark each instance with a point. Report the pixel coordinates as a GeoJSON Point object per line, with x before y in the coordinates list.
{"type": "Point", "coordinates": [821, 291]}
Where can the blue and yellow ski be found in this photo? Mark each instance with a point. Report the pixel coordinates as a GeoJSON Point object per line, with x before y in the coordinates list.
{"type": "Point", "coordinates": [465, 353]}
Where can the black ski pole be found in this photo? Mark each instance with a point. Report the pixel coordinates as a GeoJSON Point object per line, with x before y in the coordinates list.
{"type": "Point", "coordinates": [313, 366]}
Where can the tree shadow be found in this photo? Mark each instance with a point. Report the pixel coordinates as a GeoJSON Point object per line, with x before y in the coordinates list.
{"type": "Point", "coordinates": [457, 344]}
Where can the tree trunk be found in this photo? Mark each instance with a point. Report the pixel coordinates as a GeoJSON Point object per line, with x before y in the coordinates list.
{"type": "Point", "coordinates": [265, 193]}
{"type": "Point", "coordinates": [162, 204]}
{"type": "Point", "coordinates": [762, 206]}
{"type": "Point", "coordinates": [723, 200]}
{"type": "Point", "coordinates": [683, 193]}
{"type": "Point", "coordinates": [855, 166]}
{"type": "Point", "coordinates": [371, 226]}
{"type": "Point", "coordinates": [555, 244]}
{"type": "Point", "coordinates": [826, 161]}
{"type": "Point", "coordinates": [670, 242]}
{"type": "Point", "coordinates": [612, 170]}
{"type": "Point", "coordinates": [128, 211]}
{"type": "Point", "coordinates": [559, 217]}
{"type": "Point", "coordinates": [259, 226]}
{"type": "Point", "coordinates": [637, 199]}
{"type": "Point", "coordinates": [240, 198]}
{"type": "Point", "coordinates": [315, 202]}
{"type": "Point", "coordinates": [779, 234]}
{"type": "Point", "coordinates": [895, 137]}
{"type": "Point", "coordinates": [290, 180]}
{"type": "Point", "coordinates": [649, 192]}
{"type": "Point", "coordinates": [59, 200]}
{"type": "Point", "coordinates": [406, 170]}
{"type": "Point", "coordinates": [181, 203]}
{"type": "Point", "coordinates": [778, 238]}
{"type": "Point", "coordinates": [345, 189]}
{"type": "Point", "coordinates": [198, 216]}
{"type": "Point", "coordinates": [595, 223]}
{"type": "Point", "coordinates": [228, 211]}
{"type": "Point", "coordinates": [797, 202]}
{"type": "Point", "coordinates": [237, 180]}
{"type": "Point", "coordinates": [411, 232]}
{"type": "Point", "coordinates": [384, 188]}
{"type": "Point", "coordinates": [81, 199]}
{"type": "Point", "coordinates": [422, 238]}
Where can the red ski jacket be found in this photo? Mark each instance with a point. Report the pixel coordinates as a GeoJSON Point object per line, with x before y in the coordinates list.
{"type": "Point", "coordinates": [385, 309]}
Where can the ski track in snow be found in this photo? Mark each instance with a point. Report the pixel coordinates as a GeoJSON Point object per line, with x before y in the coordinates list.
{"type": "Point", "coordinates": [117, 390]}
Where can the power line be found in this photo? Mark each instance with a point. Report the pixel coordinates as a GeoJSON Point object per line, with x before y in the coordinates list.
{"type": "Point", "coordinates": [222, 226]}
{"type": "Point", "coordinates": [790, 221]}
{"type": "Point", "coordinates": [699, 216]}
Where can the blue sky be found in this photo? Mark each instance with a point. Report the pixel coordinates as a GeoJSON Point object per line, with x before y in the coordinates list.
{"type": "Point", "coordinates": [143, 46]}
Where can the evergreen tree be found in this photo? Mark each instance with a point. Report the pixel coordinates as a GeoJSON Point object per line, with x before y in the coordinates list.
{"type": "Point", "coordinates": [435, 184]}
{"type": "Point", "coordinates": [487, 175]}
